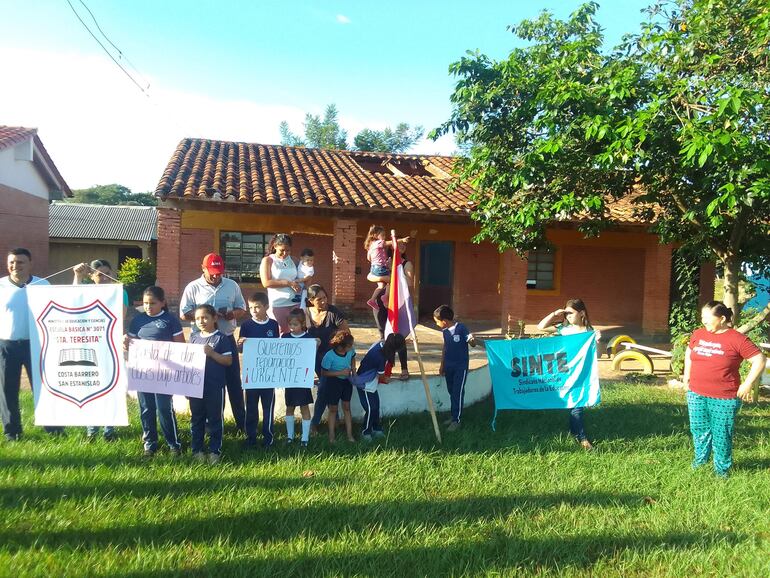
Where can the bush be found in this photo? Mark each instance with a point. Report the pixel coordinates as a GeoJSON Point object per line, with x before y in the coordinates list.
{"type": "Point", "coordinates": [136, 275]}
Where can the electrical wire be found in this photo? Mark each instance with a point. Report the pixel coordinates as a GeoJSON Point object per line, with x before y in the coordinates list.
{"type": "Point", "coordinates": [128, 74]}
{"type": "Point", "coordinates": [119, 51]}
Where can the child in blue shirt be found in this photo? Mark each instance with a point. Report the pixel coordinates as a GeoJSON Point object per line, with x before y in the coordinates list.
{"type": "Point", "coordinates": [370, 372]}
{"type": "Point", "coordinates": [454, 360]}
{"type": "Point", "coordinates": [206, 413]}
{"type": "Point", "coordinates": [298, 396]}
{"type": "Point", "coordinates": [260, 325]}
{"type": "Point", "coordinates": [156, 324]}
{"type": "Point", "coordinates": [336, 368]}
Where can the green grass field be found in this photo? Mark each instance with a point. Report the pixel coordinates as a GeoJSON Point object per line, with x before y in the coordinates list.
{"type": "Point", "coordinates": [523, 501]}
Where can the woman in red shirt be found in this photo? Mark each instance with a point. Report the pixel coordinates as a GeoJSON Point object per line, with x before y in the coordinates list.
{"type": "Point", "coordinates": [715, 390]}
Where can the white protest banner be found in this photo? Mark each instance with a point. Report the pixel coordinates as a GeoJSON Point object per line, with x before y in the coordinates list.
{"type": "Point", "coordinates": [166, 367]}
{"type": "Point", "coordinates": [76, 340]}
{"type": "Point", "coordinates": [269, 363]}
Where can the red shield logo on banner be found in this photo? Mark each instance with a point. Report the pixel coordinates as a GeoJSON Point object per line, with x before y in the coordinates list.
{"type": "Point", "coordinates": [78, 356]}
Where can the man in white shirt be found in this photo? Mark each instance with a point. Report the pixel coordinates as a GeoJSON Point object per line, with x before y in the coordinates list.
{"type": "Point", "coordinates": [225, 296]}
{"type": "Point", "coordinates": [14, 339]}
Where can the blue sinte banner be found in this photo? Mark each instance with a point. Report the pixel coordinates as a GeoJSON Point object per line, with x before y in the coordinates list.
{"type": "Point", "coordinates": [548, 373]}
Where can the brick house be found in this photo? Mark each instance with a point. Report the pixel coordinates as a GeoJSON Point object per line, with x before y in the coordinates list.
{"type": "Point", "coordinates": [29, 180]}
{"type": "Point", "coordinates": [230, 197]}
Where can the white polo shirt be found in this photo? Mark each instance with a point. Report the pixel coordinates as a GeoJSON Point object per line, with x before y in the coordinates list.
{"type": "Point", "coordinates": [14, 309]}
{"type": "Point", "coordinates": [227, 295]}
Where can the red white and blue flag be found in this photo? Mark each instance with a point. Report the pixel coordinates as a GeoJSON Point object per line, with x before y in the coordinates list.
{"type": "Point", "coordinates": [400, 310]}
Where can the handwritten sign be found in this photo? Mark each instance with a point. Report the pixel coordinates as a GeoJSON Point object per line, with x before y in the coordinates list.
{"type": "Point", "coordinates": [269, 363]}
{"type": "Point", "coordinates": [166, 367]}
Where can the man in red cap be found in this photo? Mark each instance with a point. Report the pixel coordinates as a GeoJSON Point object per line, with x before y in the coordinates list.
{"type": "Point", "coordinates": [225, 296]}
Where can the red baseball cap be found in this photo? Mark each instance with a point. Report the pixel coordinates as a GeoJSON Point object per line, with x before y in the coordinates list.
{"type": "Point", "coordinates": [213, 264]}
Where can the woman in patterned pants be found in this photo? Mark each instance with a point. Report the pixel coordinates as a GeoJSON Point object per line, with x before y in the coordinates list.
{"type": "Point", "coordinates": [715, 390]}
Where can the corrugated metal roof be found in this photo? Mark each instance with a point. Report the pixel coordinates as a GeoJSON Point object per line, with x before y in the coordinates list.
{"type": "Point", "coordinates": [108, 222]}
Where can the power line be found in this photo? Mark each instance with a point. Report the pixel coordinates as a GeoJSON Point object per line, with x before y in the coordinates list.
{"type": "Point", "coordinates": [119, 51]}
{"type": "Point", "coordinates": [145, 90]}
{"type": "Point", "coordinates": [139, 86]}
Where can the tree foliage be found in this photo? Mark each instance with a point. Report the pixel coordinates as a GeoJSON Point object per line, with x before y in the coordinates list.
{"type": "Point", "coordinates": [136, 275]}
{"type": "Point", "coordinates": [676, 118]}
{"type": "Point", "coordinates": [320, 133]}
{"type": "Point", "coordinates": [388, 140]}
{"type": "Point", "coordinates": [326, 133]}
{"type": "Point", "coordinates": [112, 195]}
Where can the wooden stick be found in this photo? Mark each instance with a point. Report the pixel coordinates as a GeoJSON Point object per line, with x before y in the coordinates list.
{"type": "Point", "coordinates": [426, 386]}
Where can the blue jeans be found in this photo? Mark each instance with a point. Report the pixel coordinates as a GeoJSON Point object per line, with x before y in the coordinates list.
{"type": "Point", "coordinates": [576, 427]}
{"type": "Point", "coordinates": [160, 406]}
{"type": "Point", "coordinates": [93, 430]}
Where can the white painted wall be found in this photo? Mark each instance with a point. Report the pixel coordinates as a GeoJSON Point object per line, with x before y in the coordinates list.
{"type": "Point", "coordinates": [21, 174]}
{"type": "Point", "coordinates": [396, 398]}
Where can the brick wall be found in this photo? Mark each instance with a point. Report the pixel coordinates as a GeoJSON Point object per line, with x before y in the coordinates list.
{"type": "Point", "coordinates": [476, 276]}
{"type": "Point", "coordinates": [169, 253]}
{"type": "Point", "coordinates": [24, 220]}
{"type": "Point", "coordinates": [196, 243]}
{"type": "Point", "coordinates": [343, 286]}
{"type": "Point", "coordinates": [322, 246]}
{"type": "Point", "coordinates": [513, 291]}
{"type": "Point", "coordinates": [657, 285]}
{"type": "Point", "coordinates": [609, 280]}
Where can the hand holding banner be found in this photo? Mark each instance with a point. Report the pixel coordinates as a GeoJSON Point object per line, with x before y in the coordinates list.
{"type": "Point", "coordinates": [549, 373]}
{"type": "Point", "coordinates": [166, 367]}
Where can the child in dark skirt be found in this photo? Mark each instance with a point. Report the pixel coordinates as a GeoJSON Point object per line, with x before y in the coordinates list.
{"type": "Point", "coordinates": [297, 396]}
{"type": "Point", "coordinates": [336, 368]}
{"type": "Point", "coordinates": [206, 413]}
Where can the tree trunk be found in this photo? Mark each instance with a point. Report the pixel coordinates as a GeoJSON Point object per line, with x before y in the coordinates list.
{"type": "Point", "coordinates": [732, 267]}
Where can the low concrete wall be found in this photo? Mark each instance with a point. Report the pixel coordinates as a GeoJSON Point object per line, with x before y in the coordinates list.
{"type": "Point", "coordinates": [396, 398]}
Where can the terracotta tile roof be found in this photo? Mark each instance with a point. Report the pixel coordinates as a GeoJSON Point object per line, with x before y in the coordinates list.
{"type": "Point", "coordinates": [295, 176]}
{"type": "Point", "coordinates": [13, 135]}
{"type": "Point", "coordinates": [260, 174]}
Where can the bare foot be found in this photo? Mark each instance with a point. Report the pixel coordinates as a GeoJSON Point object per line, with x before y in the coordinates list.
{"type": "Point", "coordinates": [404, 376]}
{"type": "Point", "coordinates": [586, 445]}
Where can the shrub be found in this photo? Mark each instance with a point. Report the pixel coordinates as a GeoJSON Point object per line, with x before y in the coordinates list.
{"type": "Point", "coordinates": [136, 275]}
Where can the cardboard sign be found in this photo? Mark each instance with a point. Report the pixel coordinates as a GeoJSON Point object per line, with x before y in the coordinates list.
{"type": "Point", "coordinates": [166, 367]}
{"type": "Point", "coordinates": [270, 363]}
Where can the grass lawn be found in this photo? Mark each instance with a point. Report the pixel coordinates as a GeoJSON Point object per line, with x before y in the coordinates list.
{"type": "Point", "coordinates": [523, 501]}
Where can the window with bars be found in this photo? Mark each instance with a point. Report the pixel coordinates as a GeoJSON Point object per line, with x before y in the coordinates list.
{"type": "Point", "coordinates": [243, 253]}
{"type": "Point", "coordinates": [540, 270]}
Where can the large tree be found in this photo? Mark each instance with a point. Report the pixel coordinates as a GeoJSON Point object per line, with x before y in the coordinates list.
{"type": "Point", "coordinates": [112, 195]}
{"type": "Point", "coordinates": [326, 133]}
{"type": "Point", "coordinates": [677, 117]}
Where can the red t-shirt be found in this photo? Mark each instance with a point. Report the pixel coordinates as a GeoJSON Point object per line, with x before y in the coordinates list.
{"type": "Point", "coordinates": [716, 358]}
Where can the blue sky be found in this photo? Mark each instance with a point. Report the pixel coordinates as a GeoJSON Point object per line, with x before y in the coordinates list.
{"type": "Point", "coordinates": [234, 70]}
